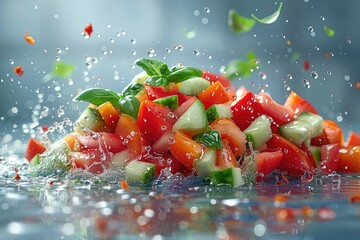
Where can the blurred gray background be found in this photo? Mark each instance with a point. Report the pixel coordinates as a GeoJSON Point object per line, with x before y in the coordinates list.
{"type": "Point", "coordinates": [127, 30]}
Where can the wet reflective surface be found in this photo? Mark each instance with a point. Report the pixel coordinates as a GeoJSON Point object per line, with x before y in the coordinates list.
{"type": "Point", "coordinates": [179, 208]}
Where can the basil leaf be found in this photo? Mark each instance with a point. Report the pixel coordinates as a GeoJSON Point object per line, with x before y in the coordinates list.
{"type": "Point", "coordinates": [157, 80]}
{"type": "Point", "coordinates": [239, 23]}
{"type": "Point", "coordinates": [212, 114]}
{"type": "Point", "coordinates": [269, 19]}
{"type": "Point", "coordinates": [152, 67]}
{"type": "Point", "coordinates": [132, 89]}
{"type": "Point", "coordinates": [241, 68]}
{"type": "Point", "coordinates": [210, 138]}
{"type": "Point", "coordinates": [129, 105]}
{"type": "Point", "coordinates": [62, 69]}
{"type": "Point", "coordinates": [180, 74]}
{"type": "Point", "coordinates": [98, 96]}
{"type": "Point", "coordinates": [328, 31]}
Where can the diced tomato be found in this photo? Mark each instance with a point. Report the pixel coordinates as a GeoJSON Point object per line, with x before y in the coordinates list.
{"type": "Point", "coordinates": [162, 145]}
{"type": "Point", "coordinates": [88, 29]}
{"type": "Point", "coordinates": [92, 160]}
{"type": "Point", "coordinates": [104, 140]}
{"type": "Point", "coordinates": [162, 161]}
{"type": "Point", "coordinates": [225, 158]}
{"type": "Point", "coordinates": [332, 133]}
{"type": "Point", "coordinates": [72, 141]}
{"type": "Point", "coordinates": [110, 115]}
{"type": "Point", "coordinates": [298, 104]}
{"type": "Point", "coordinates": [184, 106]}
{"type": "Point", "coordinates": [279, 113]}
{"type": "Point", "coordinates": [245, 110]}
{"type": "Point", "coordinates": [34, 147]}
{"type": "Point", "coordinates": [329, 155]}
{"type": "Point", "coordinates": [266, 162]}
{"type": "Point", "coordinates": [159, 92]}
{"type": "Point", "coordinates": [229, 131]}
{"type": "Point", "coordinates": [353, 139]}
{"type": "Point", "coordinates": [129, 133]}
{"type": "Point", "coordinates": [154, 120]}
{"type": "Point", "coordinates": [185, 150]}
{"type": "Point", "coordinates": [349, 160]}
{"type": "Point", "coordinates": [306, 65]}
{"type": "Point", "coordinates": [29, 39]}
{"type": "Point", "coordinates": [19, 70]}
{"type": "Point", "coordinates": [214, 94]}
{"type": "Point", "coordinates": [295, 161]}
{"type": "Point", "coordinates": [212, 77]}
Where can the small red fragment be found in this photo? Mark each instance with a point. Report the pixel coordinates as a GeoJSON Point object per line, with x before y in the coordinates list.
{"type": "Point", "coordinates": [17, 177]}
{"type": "Point", "coordinates": [88, 29]}
{"type": "Point", "coordinates": [355, 198]}
{"type": "Point", "coordinates": [357, 85]}
{"type": "Point", "coordinates": [29, 39]}
{"type": "Point", "coordinates": [19, 70]}
{"type": "Point", "coordinates": [124, 184]}
{"type": "Point", "coordinates": [307, 211]}
{"type": "Point", "coordinates": [306, 65]}
{"type": "Point", "coordinates": [286, 213]}
{"type": "Point", "coordinates": [281, 198]}
{"type": "Point", "coordinates": [327, 55]}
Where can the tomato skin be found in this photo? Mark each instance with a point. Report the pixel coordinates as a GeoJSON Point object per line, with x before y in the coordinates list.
{"type": "Point", "coordinates": [109, 141]}
{"type": "Point", "coordinates": [34, 147]}
{"type": "Point", "coordinates": [225, 157]}
{"type": "Point", "coordinates": [353, 139]}
{"type": "Point", "coordinates": [159, 92]}
{"type": "Point", "coordinates": [92, 160]}
{"type": "Point", "coordinates": [212, 77]}
{"type": "Point", "coordinates": [154, 120]}
{"type": "Point", "coordinates": [162, 161]}
{"type": "Point", "coordinates": [267, 161]}
{"type": "Point", "coordinates": [185, 150]}
{"type": "Point", "coordinates": [214, 94]}
{"type": "Point", "coordinates": [184, 106]}
{"type": "Point", "coordinates": [295, 161]}
{"type": "Point", "coordinates": [129, 134]}
{"type": "Point", "coordinates": [332, 133]}
{"type": "Point", "coordinates": [329, 157]}
{"type": "Point", "coordinates": [280, 114]}
{"type": "Point", "coordinates": [245, 109]}
{"type": "Point", "coordinates": [110, 115]}
{"type": "Point", "coordinates": [229, 131]}
{"type": "Point", "coordinates": [349, 160]}
{"type": "Point", "coordinates": [298, 104]}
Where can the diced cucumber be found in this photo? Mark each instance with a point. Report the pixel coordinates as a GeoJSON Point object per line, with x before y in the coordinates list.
{"type": "Point", "coordinates": [118, 159]}
{"type": "Point", "coordinates": [90, 119]}
{"type": "Point", "coordinates": [170, 101]}
{"type": "Point", "coordinates": [316, 152]}
{"type": "Point", "coordinates": [217, 111]}
{"type": "Point", "coordinates": [35, 160]}
{"type": "Point", "coordinates": [316, 122]}
{"type": "Point", "coordinates": [227, 176]}
{"type": "Point", "coordinates": [194, 86]}
{"type": "Point", "coordinates": [296, 131]}
{"type": "Point", "coordinates": [259, 131]}
{"type": "Point", "coordinates": [207, 163]}
{"type": "Point", "coordinates": [193, 121]}
{"type": "Point", "coordinates": [139, 172]}
{"type": "Point", "coordinates": [60, 146]}
{"type": "Point", "coordinates": [140, 78]}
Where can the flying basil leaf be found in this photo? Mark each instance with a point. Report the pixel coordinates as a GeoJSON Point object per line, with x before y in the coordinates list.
{"type": "Point", "coordinates": [238, 23]}
{"type": "Point", "coordinates": [152, 67]}
{"type": "Point", "coordinates": [190, 34]}
{"type": "Point", "coordinates": [241, 68]}
{"type": "Point", "coordinates": [295, 56]}
{"type": "Point", "coordinates": [210, 138]}
{"type": "Point", "coordinates": [157, 80]}
{"type": "Point", "coordinates": [329, 31]}
{"type": "Point", "coordinates": [269, 19]}
{"type": "Point", "coordinates": [62, 69]}
{"type": "Point", "coordinates": [132, 89]}
{"type": "Point", "coordinates": [180, 74]}
{"type": "Point", "coordinates": [129, 105]}
{"type": "Point", "coordinates": [98, 96]}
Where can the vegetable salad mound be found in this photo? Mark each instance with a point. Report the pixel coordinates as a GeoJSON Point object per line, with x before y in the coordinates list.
{"type": "Point", "coordinates": [189, 121]}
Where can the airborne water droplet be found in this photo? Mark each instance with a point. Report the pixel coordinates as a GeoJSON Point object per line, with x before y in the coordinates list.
{"type": "Point", "coordinates": [151, 52]}
{"type": "Point", "coordinates": [133, 41]}
{"type": "Point", "coordinates": [196, 52]}
{"type": "Point", "coordinates": [11, 62]}
{"type": "Point", "coordinates": [306, 83]}
{"type": "Point", "coordinates": [314, 74]}
{"type": "Point", "coordinates": [207, 10]}
{"type": "Point", "coordinates": [262, 75]}
{"type": "Point", "coordinates": [289, 76]}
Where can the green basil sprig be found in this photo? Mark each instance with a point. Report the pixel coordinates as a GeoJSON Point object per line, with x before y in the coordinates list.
{"type": "Point", "coordinates": [98, 96]}
{"type": "Point", "coordinates": [210, 138]}
{"type": "Point", "coordinates": [161, 75]}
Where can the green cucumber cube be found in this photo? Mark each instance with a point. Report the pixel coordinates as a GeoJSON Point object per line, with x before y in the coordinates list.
{"type": "Point", "coordinates": [194, 86]}
{"type": "Point", "coordinates": [170, 101]}
{"type": "Point", "coordinates": [217, 111]}
{"type": "Point", "coordinates": [259, 131]}
{"type": "Point", "coordinates": [90, 119]}
{"type": "Point", "coordinates": [207, 163]}
{"type": "Point", "coordinates": [139, 172]}
{"type": "Point", "coordinates": [229, 176]}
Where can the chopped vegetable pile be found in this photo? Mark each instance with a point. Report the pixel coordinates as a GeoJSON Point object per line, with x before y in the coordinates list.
{"type": "Point", "coordinates": [189, 121]}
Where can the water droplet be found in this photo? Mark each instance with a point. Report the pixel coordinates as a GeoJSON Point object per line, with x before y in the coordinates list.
{"type": "Point", "coordinates": [66, 47]}
{"type": "Point", "coordinates": [151, 52]}
{"type": "Point", "coordinates": [167, 50]}
{"type": "Point", "coordinates": [179, 47]}
{"type": "Point", "coordinates": [133, 52]}
{"type": "Point", "coordinates": [347, 77]}
{"type": "Point", "coordinates": [196, 52]}
{"type": "Point", "coordinates": [58, 50]}
{"type": "Point", "coordinates": [306, 83]}
{"type": "Point", "coordinates": [310, 29]}
{"type": "Point", "coordinates": [60, 112]}
{"type": "Point", "coordinates": [307, 177]}
{"type": "Point", "coordinates": [105, 52]}
{"type": "Point", "coordinates": [339, 118]}
{"type": "Point", "coordinates": [112, 40]}
{"type": "Point", "coordinates": [314, 74]}
{"type": "Point", "coordinates": [289, 76]}
{"type": "Point", "coordinates": [35, 6]}
{"type": "Point", "coordinates": [257, 61]}
{"type": "Point", "coordinates": [322, 18]}
{"type": "Point", "coordinates": [262, 75]}
{"type": "Point", "coordinates": [57, 58]}
{"type": "Point", "coordinates": [328, 73]}
{"type": "Point", "coordinates": [349, 41]}
{"type": "Point", "coordinates": [205, 20]}
{"type": "Point", "coordinates": [11, 62]}
{"type": "Point", "coordinates": [56, 16]}
{"type": "Point", "coordinates": [196, 12]}
{"type": "Point", "coordinates": [207, 10]}
{"type": "Point", "coordinates": [133, 41]}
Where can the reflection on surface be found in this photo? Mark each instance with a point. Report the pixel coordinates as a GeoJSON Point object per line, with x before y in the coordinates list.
{"type": "Point", "coordinates": [85, 210]}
